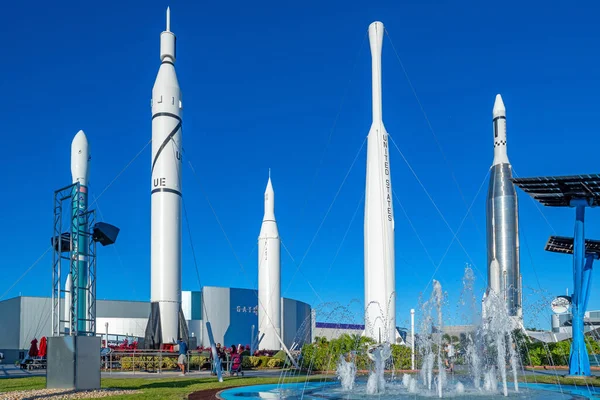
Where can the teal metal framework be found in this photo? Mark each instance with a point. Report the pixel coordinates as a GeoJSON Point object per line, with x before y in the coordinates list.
{"type": "Point", "coordinates": [76, 249]}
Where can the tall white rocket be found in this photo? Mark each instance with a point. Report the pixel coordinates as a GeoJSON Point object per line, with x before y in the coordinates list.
{"type": "Point", "coordinates": [269, 276]}
{"type": "Point", "coordinates": [166, 190]}
{"type": "Point", "coordinates": [380, 281]}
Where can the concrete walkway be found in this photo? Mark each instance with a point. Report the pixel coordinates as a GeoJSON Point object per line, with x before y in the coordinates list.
{"type": "Point", "coordinates": [10, 371]}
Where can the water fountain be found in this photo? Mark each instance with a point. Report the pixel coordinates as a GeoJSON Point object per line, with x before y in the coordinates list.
{"type": "Point", "coordinates": [489, 371]}
{"type": "Point", "coordinates": [346, 371]}
{"type": "Point", "coordinates": [379, 354]}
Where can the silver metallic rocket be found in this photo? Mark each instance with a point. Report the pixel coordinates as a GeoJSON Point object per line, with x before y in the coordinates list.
{"type": "Point", "coordinates": [166, 190]}
{"type": "Point", "coordinates": [269, 276]}
{"type": "Point", "coordinates": [504, 275]}
{"type": "Point", "coordinates": [380, 280]}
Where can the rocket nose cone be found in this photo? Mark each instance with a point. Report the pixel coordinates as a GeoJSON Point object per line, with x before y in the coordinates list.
{"type": "Point", "coordinates": [80, 156]}
{"type": "Point", "coordinates": [80, 139]}
{"type": "Point", "coordinates": [80, 146]}
{"type": "Point", "coordinates": [376, 31]}
{"type": "Point", "coordinates": [499, 109]}
{"type": "Point", "coordinates": [377, 25]}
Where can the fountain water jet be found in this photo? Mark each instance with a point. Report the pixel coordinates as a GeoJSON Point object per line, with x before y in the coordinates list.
{"type": "Point", "coordinates": [346, 372]}
{"type": "Point", "coordinates": [378, 353]}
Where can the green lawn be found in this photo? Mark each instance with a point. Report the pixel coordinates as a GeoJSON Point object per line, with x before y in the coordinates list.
{"type": "Point", "coordinates": [164, 388]}
{"type": "Point", "coordinates": [559, 379]}
{"type": "Point", "coordinates": [180, 387]}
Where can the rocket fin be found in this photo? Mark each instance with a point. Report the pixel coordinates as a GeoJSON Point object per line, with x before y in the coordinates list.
{"type": "Point", "coordinates": [153, 334]}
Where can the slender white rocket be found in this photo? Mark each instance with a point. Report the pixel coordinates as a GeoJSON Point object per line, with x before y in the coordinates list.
{"type": "Point", "coordinates": [269, 276]}
{"type": "Point", "coordinates": [380, 281]}
{"type": "Point", "coordinates": [166, 189]}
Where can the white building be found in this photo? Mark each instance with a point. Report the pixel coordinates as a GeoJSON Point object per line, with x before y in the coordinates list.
{"type": "Point", "coordinates": [232, 313]}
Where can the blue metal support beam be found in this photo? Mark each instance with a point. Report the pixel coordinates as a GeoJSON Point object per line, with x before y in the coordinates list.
{"type": "Point", "coordinates": [579, 362]}
{"type": "Point", "coordinates": [578, 191]}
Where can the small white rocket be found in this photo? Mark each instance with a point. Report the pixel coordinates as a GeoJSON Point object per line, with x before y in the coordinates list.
{"type": "Point", "coordinates": [80, 159]}
{"type": "Point", "coordinates": [166, 190]}
{"type": "Point", "coordinates": [380, 281]}
{"type": "Point", "coordinates": [269, 276]}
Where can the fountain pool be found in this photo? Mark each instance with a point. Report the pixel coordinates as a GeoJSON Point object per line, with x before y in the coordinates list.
{"type": "Point", "coordinates": [402, 390]}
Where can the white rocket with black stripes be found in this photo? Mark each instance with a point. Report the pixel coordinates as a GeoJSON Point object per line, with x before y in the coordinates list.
{"type": "Point", "coordinates": [166, 190]}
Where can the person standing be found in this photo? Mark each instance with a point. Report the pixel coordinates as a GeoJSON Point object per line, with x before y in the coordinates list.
{"type": "Point", "coordinates": [182, 355]}
{"type": "Point", "coordinates": [451, 354]}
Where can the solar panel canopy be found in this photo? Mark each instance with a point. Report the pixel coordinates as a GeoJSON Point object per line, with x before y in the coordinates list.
{"type": "Point", "coordinates": [564, 245]}
{"type": "Point", "coordinates": [558, 191]}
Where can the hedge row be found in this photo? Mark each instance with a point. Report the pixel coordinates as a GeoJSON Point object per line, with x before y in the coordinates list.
{"type": "Point", "coordinates": [262, 362]}
{"type": "Point", "coordinates": [323, 355]}
{"type": "Point", "coordinates": [538, 354]}
{"type": "Point", "coordinates": [195, 362]}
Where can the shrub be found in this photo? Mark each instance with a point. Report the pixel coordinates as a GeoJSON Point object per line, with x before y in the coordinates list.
{"type": "Point", "coordinates": [247, 363]}
{"type": "Point", "coordinates": [264, 360]}
{"type": "Point", "coordinates": [198, 361]}
{"type": "Point", "coordinates": [560, 352]}
{"type": "Point", "coordinates": [275, 363]}
{"type": "Point", "coordinates": [254, 361]}
{"type": "Point", "coordinates": [401, 356]}
{"type": "Point", "coordinates": [147, 362]}
{"type": "Point", "coordinates": [593, 347]}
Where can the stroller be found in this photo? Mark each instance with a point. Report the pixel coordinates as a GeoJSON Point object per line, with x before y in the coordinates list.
{"type": "Point", "coordinates": [236, 364]}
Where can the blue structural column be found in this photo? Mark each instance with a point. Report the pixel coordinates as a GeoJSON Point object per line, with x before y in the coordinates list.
{"type": "Point", "coordinates": [579, 363]}
{"type": "Point", "coordinates": [587, 278]}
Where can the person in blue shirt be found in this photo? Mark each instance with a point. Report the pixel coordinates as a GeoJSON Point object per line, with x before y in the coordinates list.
{"type": "Point", "coordinates": [182, 355]}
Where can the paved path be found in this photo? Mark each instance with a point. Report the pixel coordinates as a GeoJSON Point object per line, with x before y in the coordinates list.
{"type": "Point", "coordinates": [559, 372]}
{"type": "Point", "coordinates": [10, 371]}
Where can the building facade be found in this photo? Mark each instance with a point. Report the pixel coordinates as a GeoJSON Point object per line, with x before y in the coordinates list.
{"type": "Point", "coordinates": [232, 312]}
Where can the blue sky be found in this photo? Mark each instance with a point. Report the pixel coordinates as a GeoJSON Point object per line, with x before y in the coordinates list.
{"type": "Point", "coordinates": [287, 87]}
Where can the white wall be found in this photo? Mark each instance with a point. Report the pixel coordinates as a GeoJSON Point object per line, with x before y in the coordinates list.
{"type": "Point", "coordinates": [334, 333]}
{"type": "Point", "coordinates": [186, 304]}
{"type": "Point", "coordinates": [122, 326]}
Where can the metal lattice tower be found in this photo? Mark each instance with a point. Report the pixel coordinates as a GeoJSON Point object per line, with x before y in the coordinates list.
{"type": "Point", "coordinates": [66, 251]}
